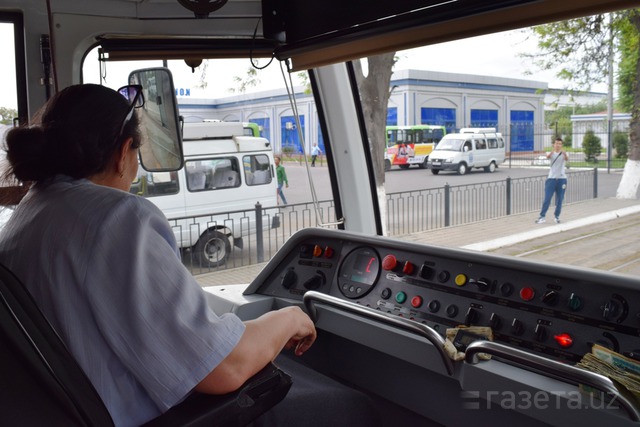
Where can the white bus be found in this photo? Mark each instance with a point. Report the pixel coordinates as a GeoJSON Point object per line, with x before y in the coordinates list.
{"type": "Point", "coordinates": [224, 171]}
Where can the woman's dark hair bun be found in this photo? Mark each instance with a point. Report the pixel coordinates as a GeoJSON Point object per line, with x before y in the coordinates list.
{"type": "Point", "coordinates": [27, 153]}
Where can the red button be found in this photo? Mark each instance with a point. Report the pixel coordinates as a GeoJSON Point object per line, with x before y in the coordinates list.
{"type": "Point", "coordinates": [564, 340]}
{"type": "Point", "coordinates": [317, 251]}
{"type": "Point", "coordinates": [389, 263]}
{"type": "Point", "coordinates": [407, 268]}
{"type": "Point", "coordinates": [416, 301]}
{"type": "Point", "coordinates": [328, 252]}
{"type": "Point", "coordinates": [527, 294]}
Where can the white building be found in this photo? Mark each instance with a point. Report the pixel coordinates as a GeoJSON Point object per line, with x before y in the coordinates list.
{"type": "Point", "coordinates": [514, 106]}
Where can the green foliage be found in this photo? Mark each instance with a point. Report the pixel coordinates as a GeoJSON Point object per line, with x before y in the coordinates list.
{"type": "Point", "coordinates": [627, 74]}
{"type": "Point", "coordinates": [7, 115]}
{"type": "Point", "coordinates": [621, 144]}
{"type": "Point", "coordinates": [591, 146]}
{"type": "Point", "coordinates": [580, 47]}
{"type": "Point", "coordinates": [560, 119]}
{"type": "Point", "coordinates": [250, 80]}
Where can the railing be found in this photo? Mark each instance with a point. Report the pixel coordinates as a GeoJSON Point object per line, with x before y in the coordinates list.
{"type": "Point", "coordinates": [407, 212]}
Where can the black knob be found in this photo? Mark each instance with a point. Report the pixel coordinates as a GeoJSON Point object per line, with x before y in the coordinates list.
{"type": "Point", "coordinates": [540, 333]}
{"type": "Point", "coordinates": [289, 278]}
{"type": "Point", "coordinates": [517, 327]}
{"type": "Point", "coordinates": [426, 272]}
{"type": "Point", "coordinates": [610, 310]}
{"type": "Point", "coordinates": [386, 293]}
{"type": "Point", "coordinates": [481, 284]}
{"type": "Point", "coordinates": [314, 282]}
{"type": "Point", "coordinates": [574, 302]}
{"type": "Point", "coordinates": [495, 321]}
{"type": "Point", "coordinates": [550, 298]}
{"type": "Point", "coordinates": [434, 306]}
{"type": "Point", "coordinates": [452, 310]}
{"type": "Point", "coordinates": [443, 276]}
{"type": "Point", "coordinates": [506, 289]}
{"type": "Point", "coordinates": [471, 317]}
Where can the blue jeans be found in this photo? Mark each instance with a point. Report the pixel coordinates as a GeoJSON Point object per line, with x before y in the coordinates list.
{"type": "Point", "coordinates": [553, 186]}
{"type": "Point", "coordinates": [281, 194]}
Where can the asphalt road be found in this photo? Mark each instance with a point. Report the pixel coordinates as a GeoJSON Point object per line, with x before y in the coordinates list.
{"type": "Point", "coordinates": [398, 180]}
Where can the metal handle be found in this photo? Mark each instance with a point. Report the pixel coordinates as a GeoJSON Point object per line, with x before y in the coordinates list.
{"type": "Point", "coordinates": [313, 297]}
{"type": "Point", "coordinates": [569, 373]}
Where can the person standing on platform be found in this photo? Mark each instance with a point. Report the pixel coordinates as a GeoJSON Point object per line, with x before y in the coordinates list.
{"type": "Point", "coordinates": [556, 182]}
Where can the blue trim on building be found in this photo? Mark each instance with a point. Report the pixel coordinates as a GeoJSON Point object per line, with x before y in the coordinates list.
{"type": "Point", "coordinates": [463, 85]}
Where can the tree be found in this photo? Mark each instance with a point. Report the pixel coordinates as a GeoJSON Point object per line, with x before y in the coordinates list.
{"type": "Point", "coordinates": [374, 97]}
{"type": "Point", "coordinates": [582, 46]}
{"type": "Point", "coordinates": [591, 146]}
{"type": "Point", "coordinates": [7, 115]}
{"type": "Point", "coordinates": [246, 82]}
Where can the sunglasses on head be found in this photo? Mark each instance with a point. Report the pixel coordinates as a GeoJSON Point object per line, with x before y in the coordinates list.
{"type": "Point", "coordinates": [133, 94]}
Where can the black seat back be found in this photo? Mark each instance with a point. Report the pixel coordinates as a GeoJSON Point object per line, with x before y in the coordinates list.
{"type": "Point", "coordinates": [42, 384]}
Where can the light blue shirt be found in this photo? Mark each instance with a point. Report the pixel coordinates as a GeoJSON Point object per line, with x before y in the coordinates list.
{"type": "Point", "coordinates": [557, 162]}
{"type": "Point", "coordinates": [104, 267]}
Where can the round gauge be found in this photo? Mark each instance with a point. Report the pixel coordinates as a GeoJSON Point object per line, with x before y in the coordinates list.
{"type": "Point", "coordinates": [359, 272]}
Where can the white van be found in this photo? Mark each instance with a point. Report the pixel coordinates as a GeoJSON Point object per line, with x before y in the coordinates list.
{"type": "Point", "coordinates": [224, 171]}
{"type": "Point", "coordinates": [470, 148]}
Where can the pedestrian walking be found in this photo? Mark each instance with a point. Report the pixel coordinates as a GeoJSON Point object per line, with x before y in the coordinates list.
{"type": "Point", "coordinates": [315, 151]}
{"type": "Point", "coordinates": [556, 183]}
{"type": "Point", "coordinates": [281, 175]}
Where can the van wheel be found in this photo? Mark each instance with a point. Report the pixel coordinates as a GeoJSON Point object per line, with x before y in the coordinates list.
{"type": "Point", "coordinates": [491, 168]}
{"type": "Point", "coordinates": [435, 171]}
{"type": "Point", "coordinates": [387, 165]}
{"type": "Point", "coordinates": [212, 249]}
{"type": "Point", "coordinates": [462, 168]}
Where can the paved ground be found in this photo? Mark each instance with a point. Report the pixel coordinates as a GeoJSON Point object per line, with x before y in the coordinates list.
{"type": "Point", "coordinates": [498, 234]}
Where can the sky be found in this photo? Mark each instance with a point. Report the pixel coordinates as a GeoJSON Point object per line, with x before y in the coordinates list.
{"type": "Point", "coordinates": [490, 55]}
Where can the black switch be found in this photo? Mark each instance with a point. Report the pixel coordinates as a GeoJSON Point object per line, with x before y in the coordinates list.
{"type": "Point", "coordinates": [517, 327]}
{"type": "Point", "coordinates": [289, 278]}
{"type": "Point", "coordinates": [540, 333]}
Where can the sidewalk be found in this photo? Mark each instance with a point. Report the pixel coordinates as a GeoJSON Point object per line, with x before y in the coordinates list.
{"type": "Point", "coordinates": [481, 236]}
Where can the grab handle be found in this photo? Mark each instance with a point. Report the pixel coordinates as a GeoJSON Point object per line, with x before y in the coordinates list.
{"type": "Point", "coordinates": [569, 373]}
{"type": "Point", "coordinates": [312, 297]}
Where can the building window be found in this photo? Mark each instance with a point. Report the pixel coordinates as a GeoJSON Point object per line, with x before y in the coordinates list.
{"type": "Point", "coordinates": [484, 118]}
{"type": "Point", "coordinates": [521, 130]}
{"type": "Point", "coordinates": [439, 116]}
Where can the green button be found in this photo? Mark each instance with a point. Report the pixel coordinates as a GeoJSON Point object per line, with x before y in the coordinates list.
{"type": "Point", "coordinates": [401, 297]}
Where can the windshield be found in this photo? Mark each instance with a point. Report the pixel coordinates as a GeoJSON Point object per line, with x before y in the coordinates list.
{"type": "Point", "coordinates": [450, 144]}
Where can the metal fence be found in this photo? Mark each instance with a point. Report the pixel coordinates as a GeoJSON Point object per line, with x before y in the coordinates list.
{"type": "Point", "coordinates": [407, 212]}
{"type": "Point", "coordinates": [417, 211]}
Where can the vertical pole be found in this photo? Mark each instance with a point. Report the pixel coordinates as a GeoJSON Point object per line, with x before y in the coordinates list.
{"type": "Point", "coordinates": [508, 195]}
{"type": "Point", "coordinates": [447, 207]}
{"type": "Point", "coordinates": [259, 233]}
{"type": "Point", "coordinates": [610, 94]}
{"type": "Point", "coordinates": [595, 183]}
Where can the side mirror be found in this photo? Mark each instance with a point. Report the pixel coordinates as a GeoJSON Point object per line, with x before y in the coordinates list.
{"type": "Point", "coordinates": [161, 148]}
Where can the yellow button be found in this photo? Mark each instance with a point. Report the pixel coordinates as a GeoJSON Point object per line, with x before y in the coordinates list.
{"type": "Point", "coordinates": [461, 279]}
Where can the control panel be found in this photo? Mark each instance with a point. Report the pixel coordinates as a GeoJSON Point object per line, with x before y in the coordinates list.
{"type": "Point", "coordinates": [555, 311]}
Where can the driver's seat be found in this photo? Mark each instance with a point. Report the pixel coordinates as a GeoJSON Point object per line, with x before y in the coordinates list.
{"type": "Point", "coordinates": [42, 384]}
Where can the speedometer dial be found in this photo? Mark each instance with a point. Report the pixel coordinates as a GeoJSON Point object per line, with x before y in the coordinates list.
{"type": "Point", "coordinates": [359, 272]}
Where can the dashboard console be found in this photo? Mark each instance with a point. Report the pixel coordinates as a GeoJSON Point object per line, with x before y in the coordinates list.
{"type": "Point", "coordinates": [397, 299]}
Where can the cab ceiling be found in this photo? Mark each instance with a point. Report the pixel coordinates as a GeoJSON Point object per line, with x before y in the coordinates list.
{"type": "Point", "coordinates": [319, 33]}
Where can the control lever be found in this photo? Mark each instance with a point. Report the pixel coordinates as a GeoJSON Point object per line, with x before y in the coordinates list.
{"type": "Point", "coordinates": [311, 298]}
{"type": "Point", "coordinates": [551, 368]}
